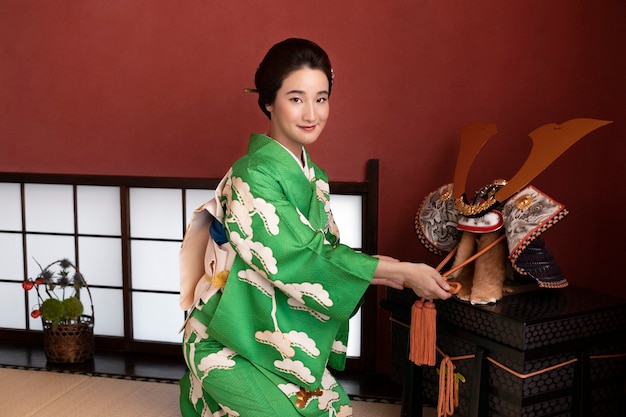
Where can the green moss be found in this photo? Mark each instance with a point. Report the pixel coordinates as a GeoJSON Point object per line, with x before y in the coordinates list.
{"type": "Point", "coordinates": [52, 310]}
{"type": "Point", "coordinates": [73, 308]}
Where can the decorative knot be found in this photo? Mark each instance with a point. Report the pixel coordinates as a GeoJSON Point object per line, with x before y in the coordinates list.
{"type": "Point", "coordinates": [219, 280]}
{"type": "Point", "coordinates": [304, 395]}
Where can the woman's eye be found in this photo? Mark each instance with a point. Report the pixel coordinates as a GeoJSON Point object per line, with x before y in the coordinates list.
{"type": "Point", "coordinates": [322, 99]}
{"type": "Point", "coordinates": [296, 100]}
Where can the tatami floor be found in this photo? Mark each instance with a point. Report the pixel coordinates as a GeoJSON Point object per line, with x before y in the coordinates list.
{"type": "Point", "coordinates": [168, 367]}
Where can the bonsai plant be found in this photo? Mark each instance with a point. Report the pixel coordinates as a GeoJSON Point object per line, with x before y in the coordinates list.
{"type": "Point", "coordinates": [68, 333]}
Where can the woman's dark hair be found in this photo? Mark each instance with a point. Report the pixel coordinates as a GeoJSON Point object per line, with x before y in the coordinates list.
{"type": "Point", "coordinates": [281, 60]}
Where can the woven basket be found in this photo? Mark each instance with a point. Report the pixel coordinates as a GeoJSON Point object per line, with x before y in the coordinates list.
{"type": "Point", "coordinates": [69, 343]}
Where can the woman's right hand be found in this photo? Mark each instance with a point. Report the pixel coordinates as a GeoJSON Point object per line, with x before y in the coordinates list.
{"type": "Point", "coordinates": [423, 279]}
{"type": "Point", "coordinates": [426, 282]}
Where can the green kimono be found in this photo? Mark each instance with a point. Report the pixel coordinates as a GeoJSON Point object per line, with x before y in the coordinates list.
{"type": "Point", "coordinates": [262, 345]}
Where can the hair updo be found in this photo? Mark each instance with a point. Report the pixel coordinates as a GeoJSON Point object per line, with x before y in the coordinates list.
{"type": "Point", "coordinates": [281, 60]}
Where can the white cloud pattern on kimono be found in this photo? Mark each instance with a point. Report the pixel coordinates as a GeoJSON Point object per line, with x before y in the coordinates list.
{"type": "Point", "coordinates": [257, 280]}
{"type": "Point", "coordinates": [339, 347]}
{"type": "Point", "coordinates": [247, 205]}
{"type": "Point", "coordinates": [195, 391]}
{"type": "Point", "coordinates": [323, 195]}
{"type": "Point", "coordinates": [304, 342]}
{"type": "Point", "coordinates": [218, 360]}
{"type": "Point", "coordinates": [278, 340]}
{"type": "Point", "coordinates": [268, 213]}
{"type": "Point", "coordinates": [229, 412]}
{"type": "Point", "coordinates": [247, 249]}
{"type": "Point", "coordinates": [322, 191]}
{"type": "Point", "coordinates": [297, 305]}
{"type": "Point", "coordinates": [328, 380]}
{"type": "Point", "coordinates": [328, 395]}
{"type": "Point", "coordinates": [195, 326]}
{"type": "Point", "coordinates": [322, 185]}
{"type": "Point", "coordinates": [240, 215]}
{"type": "Point", "coordinates": [299, 290]}
{"type": "Point", "coordinates": [345, 411]}
{"type": "Point", "coordinates": [289, 389]}
{"type": "Point", "coordinates": [326, 399]}
{"type": "Point", "coordinates": [242, 189]}
{"type": "Point", "coordinates": [296, 368]}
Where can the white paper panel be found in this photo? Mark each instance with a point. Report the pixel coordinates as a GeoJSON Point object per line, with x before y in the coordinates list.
{"type": "Point", "coordinates": [354, 337]}
{"type": "Point", "coordinates": [108, 311]}
{"type": "Point", "coordinates": [98, 210]}
{"type": "Point", "coordinates": [11, 257]}
{"type": "Point", "coordinates": [154, 265]}
{"type": "Point", "coordinates": [46, 249]}
{"type": "Point", "coordinates": [157, 317]}
{"type": "Point", "coordinates": [49, 208]}
{"type": "Point", "coordinates": [156, 213]}
{"type": "Point", "coordinates": [101, 260]}
{"type": "Point", "coordinates": [349, 218]}
{"type": "Point", "coordinates": [13, 308]}
{"type": "Point", "coordinates": [10, 207]}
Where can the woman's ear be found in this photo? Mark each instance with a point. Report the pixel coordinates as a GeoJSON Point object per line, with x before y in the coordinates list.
{"type": "Point", "coordinates": [269, 107]}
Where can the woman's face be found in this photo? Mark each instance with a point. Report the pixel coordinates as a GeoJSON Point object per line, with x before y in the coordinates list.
{"type": "Point", "coordinates": [300, 110]}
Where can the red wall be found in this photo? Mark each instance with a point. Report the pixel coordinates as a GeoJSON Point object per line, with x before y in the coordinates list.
{"type": "Point", "coordinates": [156, 88]}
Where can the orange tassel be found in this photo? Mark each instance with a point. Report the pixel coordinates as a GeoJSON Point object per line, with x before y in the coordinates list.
{"type": "Point", "coordinates": [429, 333]}
{"type": "Point", "coordinates": [423, 334]}
{"type": "Point", "coordinates": [448, 388]}
{"type": "Point", "coordinates": [416, 340]}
